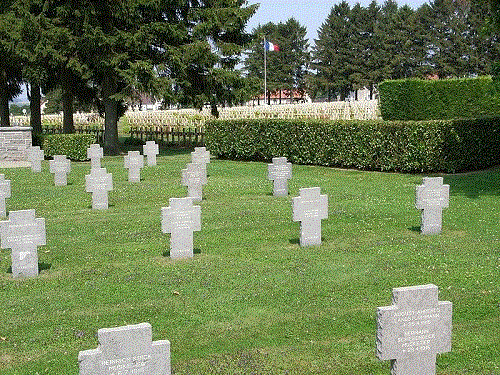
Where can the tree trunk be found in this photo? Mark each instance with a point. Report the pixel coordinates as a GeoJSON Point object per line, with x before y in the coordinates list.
{"type": "Point", "coordinates": [109, 88]}
{"type": "Point", "coordinates": [4, 109]}
{"type": "Point", "coordinates": [67, 102]}
{"type": "Point", "coordinates": [36, 114]}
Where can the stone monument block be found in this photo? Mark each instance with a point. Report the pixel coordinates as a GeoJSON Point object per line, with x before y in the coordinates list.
{"type": "Point", "coordinates": [431, 197]}
{"type": "Point", "coordinates": [280, 171]}
{"type": "Point", "coordinates": [99, 183]}
{"type": "Point", "coordinates": [194, 177]}
{"type": "Point", "coordinates": [4, 193]}
{"type": "Point", "coordinates": [60, 166]}
{"type": "Point", "coordinates": [151, 149]}
{"type": "Point", "coordinates": [134, 161]}
{"type": "Point", "coordinates": [23, 233]}
{"type": "Point", "coordinates": [310, 208]}
{"type": "Point", "coordinates": [95, 153]}
{"type": "Point", "coordinates": [414, 330]}
{"type": "Point", "coordinates": [35, 156]}
{"type": "Point", "coordinates": [181, 219]}
{"type": "Point", "coordinates": [126, 350]}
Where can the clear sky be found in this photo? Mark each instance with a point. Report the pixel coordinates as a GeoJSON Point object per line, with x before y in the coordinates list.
{"type": "Point", "coordinates": [309, 13]}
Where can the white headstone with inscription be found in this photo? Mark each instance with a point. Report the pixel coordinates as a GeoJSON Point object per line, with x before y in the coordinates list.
{"type": "Point", "coordinates": [126, 350]}
{"type": "Point", "coordinates": [60, 166]}
{"type": "Point", "coordinates": [432, 196]}
{"type": "Point", "coordinates": [310, 208]}
{"type": "Point", "coordinates": [414, 330]}
{"type": "Point", "coordinates": [280, 171]}
{"type": "Point", "coordinates": [95, 154]}
{"type": "Point", "coordinates": [194, 177]}
{"type": "Point", "coordinates": [134, 161]}
{"type": "Point", "coordinates": [4, 193]}
{"type": "Point", "coordinates": [181, 219]}
{"type": "Point", "coordinates": [99, 183]}
{"type": "Point", "coordinates": [151, 149]}
{"type": "Point", "coordinates": [35, 156]}
{"type": "Point", "coordinates": [23, 233]}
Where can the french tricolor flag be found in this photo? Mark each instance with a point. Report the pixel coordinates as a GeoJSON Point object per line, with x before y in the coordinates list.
{"type": "Point", "coordinates": [270, 47]}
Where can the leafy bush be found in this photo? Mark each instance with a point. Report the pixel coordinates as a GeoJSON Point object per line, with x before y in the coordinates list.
{"type": "Point", "coordinates": [426, 146]}
{"type": "Point", "coordinates": [417, 99]}
{"type": "Point", "coordinates": [74, 146]}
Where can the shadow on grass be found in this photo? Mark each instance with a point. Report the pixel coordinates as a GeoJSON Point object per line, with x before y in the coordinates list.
{"type": "Point", "coordinates": [474, 184]}
{"type": "Point", "coordinates": [296, 241]}
{"type": "Point", "coordinates": [42, 266]}
{"type": "Point", "coordinates": [414, 229]}
{"type": "Point", "coordinates": [167, 252]}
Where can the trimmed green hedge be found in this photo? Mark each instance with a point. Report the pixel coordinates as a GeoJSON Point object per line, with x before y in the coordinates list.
{"type": "Point", "coordinates": [417, 99]}
{"type": "Point", "coordinates": [74, 146]}
{"type": "Point", "coordinates": [430, 146]}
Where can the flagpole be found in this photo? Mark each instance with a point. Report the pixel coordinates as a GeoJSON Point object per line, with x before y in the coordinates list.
{"type": "Point", "coordinates": [265, 72]}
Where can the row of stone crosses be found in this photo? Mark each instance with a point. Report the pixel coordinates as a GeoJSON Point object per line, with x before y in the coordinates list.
{"type": "Point", "coordinates": [410, 333]}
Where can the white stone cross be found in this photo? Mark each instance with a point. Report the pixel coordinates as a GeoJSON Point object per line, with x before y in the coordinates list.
{"type": "Point", "coordinates": [60, 166]}
{"type": "Point", "coordinates": [95, 154]}
{"type": "Point", "coordinates": [280, 171]}
{"type": "Point", "coordinates": [194, 177]}
{"type": "Point", "coordinates": [151, 149]}
{"type": "Point", "coordinates": [134, 161]}
{"type": "Point", "coordinates": [310, 208]}
{"type": "Point", "coordinates": [181, 219]}
{"type": "Point", "coordinates": [4, 193]}
{"type": "Point", "coordinates": [23, 233]}
{"type": "Point", "coordinates": [414, 330]}
{"type": "Point", "coordinates": [200, 155]}
{"type": "Point", "coordinates": [99, 182]}
{"type": "Point", "coordinates": [126, 350]}
{"type": "Point", "coordinates": [35, 156]}
{"type": "Point", "coordinates": [431, 197]}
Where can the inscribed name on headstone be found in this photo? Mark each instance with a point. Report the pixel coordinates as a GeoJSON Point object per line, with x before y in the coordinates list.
{"type": "Point", "coordinates": [181, 219]}
{"type": "Point", "coordinates": [95, 154]}
{"type": "Point", "coordinates": [60, 166]}
{"type": "Point", "coordinates": [310, 208]}
{"type": "Point", "coordinates": [126, 350]}
{"type": "Point", "coordinates": [280, 171]}
{"type": "Point", "coordinates": [99, 183]}
{"type": "Point", "coordinates": [134, 161]}
{"type": "Point", "coordinates": [200, 155]}
{"type": "Point", "coordinates": [151, 149]}
{"type": "Point", "coordinates": [194, 177]}
{"type": "Point", "coordinates": [23, 233]}
{"type": "Point", "coordinates": [35, 156]}
{"type": "Point", "coordinates": [4, 193]}
{"type": "Point", "coordinates": [431, 197]}
{"type": "Point", "coordinates": [414, 330]}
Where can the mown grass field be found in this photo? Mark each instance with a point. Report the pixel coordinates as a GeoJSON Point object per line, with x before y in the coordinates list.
{"type": "Point", "coordinates": [251, 301]}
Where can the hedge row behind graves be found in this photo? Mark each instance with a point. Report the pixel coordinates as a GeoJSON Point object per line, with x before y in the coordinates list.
{"type": "Point", "coordinates": [418, 99]}
{"type": "Point", "coordinates": [74, 146]}
{"type": "Point", "coordinates": [425, 146]}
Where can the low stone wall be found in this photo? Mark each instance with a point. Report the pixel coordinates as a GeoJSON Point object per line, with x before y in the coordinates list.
{"type": "Point", "coordinates": [14, 140]}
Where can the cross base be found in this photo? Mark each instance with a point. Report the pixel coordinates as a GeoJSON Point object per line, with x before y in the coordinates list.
{"type": "Point", "coordinates": [425, 363]}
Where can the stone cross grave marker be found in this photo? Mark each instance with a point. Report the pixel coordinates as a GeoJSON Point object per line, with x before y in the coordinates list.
{"type": "Point", "coordinates": [414, 330]}
{"type": "Point", "coordinates": [310, 208]}
{"type": "Point", "coordinates": [99, 182]}
{"type": "Point", "coordinates": [60, 166]}
{"type": "Point", "coordinates": [431, 197]}
{"type": "Point", "coordinates": [181, 219]}
{"type": "Point", "coordinates": [200, 155]}
{"type": "Point", "coordinates": [279, 172]}
{"type": "Point", "coordinates": [23, 233]}
{"type": "Point", "coordinates": [35, 156]}
{"type": "Point", "coordinates": [194, 177]}
{"type": "Point", "coordinates": [4, 193]}
{"type": "Point", "coordinates": [126, 350]}
{"type": "Point", "coordinates": [151, 149]}
{"type": "Point", "coordinates": [134, 161]}
{"type": "Point", "coordinates": [95, 154]}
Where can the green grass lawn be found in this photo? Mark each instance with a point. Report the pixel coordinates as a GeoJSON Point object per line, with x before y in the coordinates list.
{"type": "Point", "coordinates": [251, 301]}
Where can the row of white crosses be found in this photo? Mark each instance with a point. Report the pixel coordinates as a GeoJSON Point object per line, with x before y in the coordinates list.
{"type": "Point", "coordinates": [410, 333]}
{"type": "Point", "coordinates": [182, 218]}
